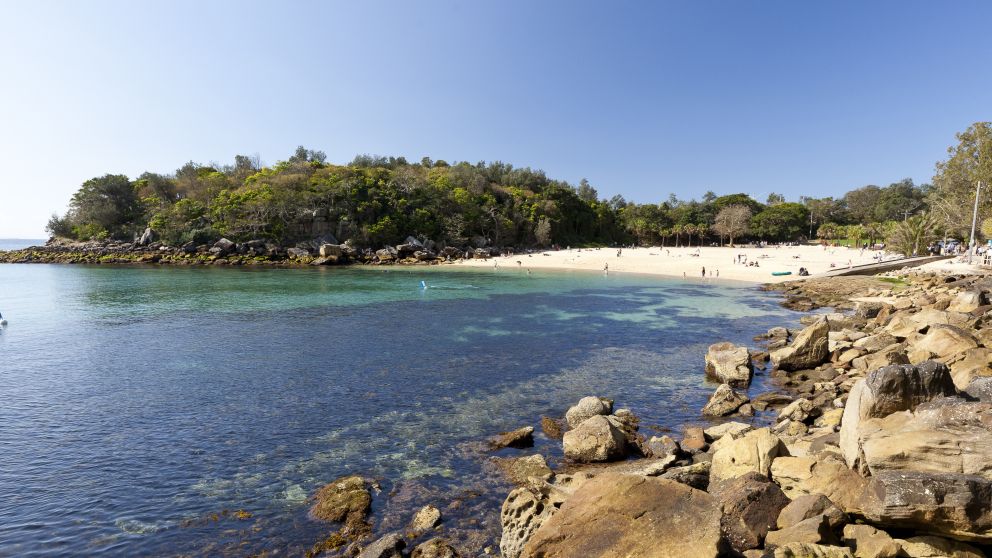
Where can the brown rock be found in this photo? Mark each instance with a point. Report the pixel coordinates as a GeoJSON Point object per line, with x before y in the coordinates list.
{"type": "Point", "coordinates": [754, 451]}
{"type": "Point", "coordinates": [815, 530]}
{"type": "Point", "coordinates": [626, 515]}
{"type": "Point", "coordinates": [389, 546]}
{"type": "Point", "coordinates": [588, 407]}
{"type": "Point", "coordinates": [724, 401]}
{"type": "Point", "coordinates": [806, 550]}
{"type": "Point", "coordinates": [598, 438]}
{"type": "Point", "coordinates": [937, 547]}
{"type": "Point", "coordinates": [519, 438]}
{"type": "Point", "coordinates": [434, 548]}
{"type": "Point", "coordinates": [886, 391]}
{"type": "Point", "coordinates": [869, 542]}
{"type": "Point", "coordinates": [522, 470]}
{"type": "Point", "coordinates": [811, 505]}
{"type": "Point", "coordinates": [751, 505]}
{"type": "Point", "coordinates": [553, 428]}
{"type": "Point", "coordinates": [807, 350]}
{"type": "Point", "coordinates": [347, 500]}
{"type": "Point", "coordinates": [729, 364]}
{"type": "Point", "coordinates": [956, 505]}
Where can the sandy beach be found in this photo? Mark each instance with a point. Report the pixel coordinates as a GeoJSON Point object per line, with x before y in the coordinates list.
{"type": "Point", "coordinates": [719, 262]}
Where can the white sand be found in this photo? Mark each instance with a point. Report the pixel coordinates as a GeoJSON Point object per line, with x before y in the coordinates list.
{"type": "Point", "coordinates": [674, 262]}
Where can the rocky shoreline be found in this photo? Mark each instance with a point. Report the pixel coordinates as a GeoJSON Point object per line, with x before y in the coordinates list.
{"type": "Point", "coordinates": [876, 444]}
{"type": "Point", "coordinates": [317, 252]}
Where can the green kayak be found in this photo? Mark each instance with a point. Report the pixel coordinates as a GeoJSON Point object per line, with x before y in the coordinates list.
{"type": "Point", "coordinates": [781, 273]}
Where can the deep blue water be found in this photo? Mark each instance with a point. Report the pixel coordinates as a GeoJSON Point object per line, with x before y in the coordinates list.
{"type": "Point", "coordinates": [136, 402]}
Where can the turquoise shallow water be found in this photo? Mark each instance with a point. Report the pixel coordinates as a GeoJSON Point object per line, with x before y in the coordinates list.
{"type": "Point", "coordinates": [140, 401]}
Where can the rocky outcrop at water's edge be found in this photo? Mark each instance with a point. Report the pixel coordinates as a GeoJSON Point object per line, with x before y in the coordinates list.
{"type": "Point", "coordinates": [146, 249]}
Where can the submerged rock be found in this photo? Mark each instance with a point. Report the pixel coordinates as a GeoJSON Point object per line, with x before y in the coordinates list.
{"type": "Point", "coordinates": [346, 500]}
{"type": "Point", "coordinates": [434, 548]}
{"type": "Point", "coordinates": [519, 438]}
{"type": "Point", "coordinates": [389, 546]}
{"type": "Point", "coordinates": [426, 519]}
{"type": "Point", "coordinates": [522, 470]}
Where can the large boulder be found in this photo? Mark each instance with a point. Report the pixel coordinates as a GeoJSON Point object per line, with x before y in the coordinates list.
{"type": "Point", "coordinates": [331, 251]}
{"type": "Point", "coordinates": [831, 477]}
{"type": "Point", "coordinates": [587, 407]}
{"type": "Point", "coordinates": [967, 301]}
{"type": "Point", "coordinates": [943, 436]}
{"type": "Point", "coordinates": [951, 504]}
{"type": "Point", "coordinates": [807, 350]}
{"type": "Point", "coordinates": [527, 508]}
{"type": "Point", "coordinates": [886, 391]}
{"type": "Point", "coordinates": [724, 401]}
{"type": "Point", "coordinates": [730, 364]}
{"type": "Point", "coordinates": [598, 438]}
{"type": "Point", "coordinates": [147, 237]}
{"type": "Point", "coordinates": [972, 364]}
{"type": "Point", "coordinates": [224, 246]}
{"type": "Point", "coordinates": [627, 515]}
{"type": "Point", "coordinates": [754, 451]}
{"type": "Point", "coordinates": [751, 505]}
{"type": "Point", "coordinates": [946, 340]}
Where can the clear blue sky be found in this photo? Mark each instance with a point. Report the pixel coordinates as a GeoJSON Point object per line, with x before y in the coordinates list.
{"type": "Point", "coordinates": [643, 99]}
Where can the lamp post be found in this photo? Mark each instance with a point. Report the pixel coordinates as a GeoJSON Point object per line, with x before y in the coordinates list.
{"type": "Point", "coordinates": [974, 221]}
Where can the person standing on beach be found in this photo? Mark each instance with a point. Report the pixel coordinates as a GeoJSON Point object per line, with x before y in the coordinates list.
{"type": "Point", "coordinates": [704, 273]}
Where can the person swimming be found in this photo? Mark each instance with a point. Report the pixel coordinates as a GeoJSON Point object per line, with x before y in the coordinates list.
{"type": "Point", "coordinates": [423, 284]}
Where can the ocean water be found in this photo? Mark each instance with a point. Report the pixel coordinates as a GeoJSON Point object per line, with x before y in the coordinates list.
{"type": "Point", "coordinates": [19, 243]}
{"type": "Point", "coordinates": [140, 406]}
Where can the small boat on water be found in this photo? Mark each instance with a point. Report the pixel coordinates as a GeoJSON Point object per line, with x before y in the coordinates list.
{"type": "Point", "coordinates": [780, 273]}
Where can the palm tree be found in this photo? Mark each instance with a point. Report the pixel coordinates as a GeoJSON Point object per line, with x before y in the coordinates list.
{"type": "Point", "coordinates": [677, 230]}
{"type": "Point", "coordinates": [663, 233]}
{"type": "Point", "coordinates": [689, 230]}
{"type": "Point", "coordinates": [827, 231]}
{"type": "Point", "coordinates": [914, 234]}
{"type": "Point", "coordinates": [702, 230]}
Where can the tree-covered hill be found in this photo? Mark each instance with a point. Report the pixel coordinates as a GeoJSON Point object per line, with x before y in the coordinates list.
{"type": "Point", "coordinates": [375, 201]}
